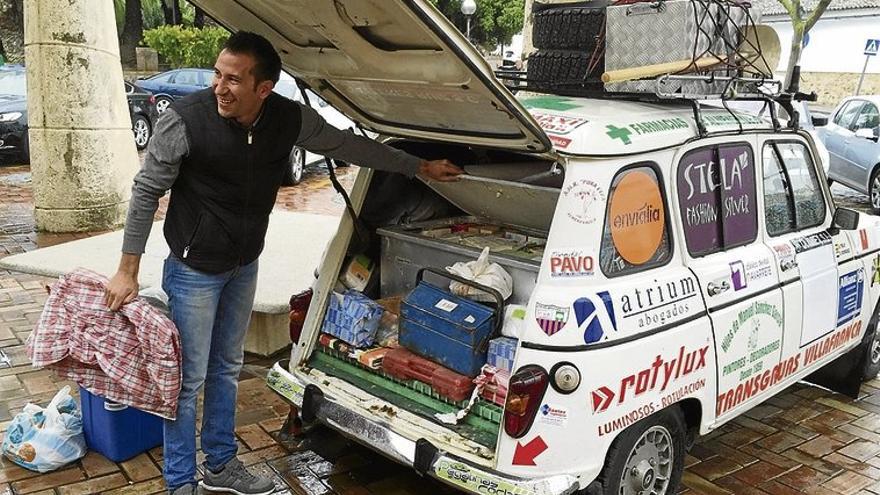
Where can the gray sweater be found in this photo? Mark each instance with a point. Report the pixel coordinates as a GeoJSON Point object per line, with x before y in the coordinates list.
{"type": "Point", "coordinates": [169, 146]}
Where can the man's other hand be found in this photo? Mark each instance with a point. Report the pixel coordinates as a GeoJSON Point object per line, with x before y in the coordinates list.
{"type": "Point", "coordinates": [440, 170]}
{"type": "Point", "coordinates": [123, 287]}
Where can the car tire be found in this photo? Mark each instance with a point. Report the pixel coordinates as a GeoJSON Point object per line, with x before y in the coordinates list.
{"type": "Point", "coordinates": [568, 28]}
{"type": "Point", "coordinates": [162, 104]}
{"type": "Point", "coordinates": [295, 164]}
{"type": "Point", "coordinates": [871, 365]}
{"type": "Point", "coordinates": [564, 72]}
{"type": "Point", "coordinates": [142, 131]}
{"type": "Point", "coordinates": [648, 453]}
{"type": "Point", "coordinates": [874, 190]}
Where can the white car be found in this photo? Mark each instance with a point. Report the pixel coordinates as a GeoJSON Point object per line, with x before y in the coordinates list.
{"type": "Point", "coordinates": [299, 157]}
{"type": "Point", "coordinates": [675, 267]}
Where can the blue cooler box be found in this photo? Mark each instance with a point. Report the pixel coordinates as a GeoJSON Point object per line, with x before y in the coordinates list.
{"type": "Point", "coordinates": [450, 330]}
{"type": "Point", "coordinates": [117, 431]}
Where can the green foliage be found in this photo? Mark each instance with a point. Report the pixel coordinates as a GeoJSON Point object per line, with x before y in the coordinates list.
{"type": "Point", "coordinates": [151, 10]}
{"type": "Point", "coordinates": [187, 47]}
{"type": "Point", "coordinates": [495, 21]}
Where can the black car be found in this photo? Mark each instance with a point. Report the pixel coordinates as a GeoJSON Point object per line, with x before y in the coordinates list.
{"type": "Point", "coordinates": [176, 83]}
{"type": "Point", "coordinates": [13, 114]}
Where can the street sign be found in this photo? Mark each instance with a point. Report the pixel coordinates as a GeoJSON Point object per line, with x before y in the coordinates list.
{"type": "Point", "coordinates": [872, 47]}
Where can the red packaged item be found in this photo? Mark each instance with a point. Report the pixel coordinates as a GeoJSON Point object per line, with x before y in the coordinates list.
{"type": "Point", "coordinates": [493, 382]}
{"type": "Point", "coordinates": [404, 365]}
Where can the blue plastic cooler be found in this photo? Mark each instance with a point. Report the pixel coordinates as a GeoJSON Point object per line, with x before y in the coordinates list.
{"type": "Point", "coordinates": [447, 329]}
{"type": "Point", "coordinates": [117, 431]}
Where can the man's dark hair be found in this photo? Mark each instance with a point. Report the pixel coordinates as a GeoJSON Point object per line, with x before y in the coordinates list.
{"type": "Point", "coordinates": [268, 63]}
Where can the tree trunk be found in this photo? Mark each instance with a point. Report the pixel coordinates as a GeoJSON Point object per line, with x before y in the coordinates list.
{"type": "Point", "coordinates": [3, 55]}
{"type": "Point", "coordinates": [199, 19]}
{"type": "Point", "coordinates": [171, 9]}
{"type": "Point", "coordinates": [797, 40]}
{"type": "Point", "coordinates": [132, 32]}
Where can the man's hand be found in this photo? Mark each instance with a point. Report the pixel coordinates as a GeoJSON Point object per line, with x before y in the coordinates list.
{"type": "Point", "coordinates": [123, 287]}
{"type": "Point", "coordinates": [440, 170]}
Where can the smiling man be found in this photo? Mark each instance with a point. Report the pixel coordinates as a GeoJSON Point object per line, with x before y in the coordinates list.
{"type": "Point", "coordinates": [222, 153]}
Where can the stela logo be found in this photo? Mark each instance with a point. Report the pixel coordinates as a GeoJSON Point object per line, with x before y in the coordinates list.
{"type": "Point", "coordinates": [658, 375]}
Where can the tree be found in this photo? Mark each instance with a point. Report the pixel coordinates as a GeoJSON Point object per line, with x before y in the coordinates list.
{"type": "Point", "coordinates": [199, 18]}
{"type": "Point", "coordinates": [801, 23]}
{"type": "Point", "coordinates": [132, 32]}
{"type": "Point", "coordinates": [495, 21]}
{"type": "Point", "coordinates": [171, 9]}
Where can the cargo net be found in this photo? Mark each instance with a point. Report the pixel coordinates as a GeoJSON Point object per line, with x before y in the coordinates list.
{"type": "Point", "coordinates": [673, 49]}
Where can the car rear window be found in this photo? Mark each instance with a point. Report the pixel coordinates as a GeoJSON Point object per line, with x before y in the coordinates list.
{"type": "Point", "coordinates": [636, 235]}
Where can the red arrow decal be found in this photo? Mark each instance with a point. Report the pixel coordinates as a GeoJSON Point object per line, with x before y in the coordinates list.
{"type": "Point", "coordinates": [602, 398]}
{"type": "Point", "coordinates": [524, 455]}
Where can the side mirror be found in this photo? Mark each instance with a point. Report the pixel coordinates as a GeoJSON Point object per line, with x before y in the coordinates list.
{"type": "Point", "coordinates": [866, 134]}
{"type": "Point", "coordinates": [820, 120]}
{"type": "Point", "coordinates": [845, 219]}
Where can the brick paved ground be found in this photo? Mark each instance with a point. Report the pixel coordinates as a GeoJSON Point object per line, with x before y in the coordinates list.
{"type": "Point", "coordinates": [803, 441]}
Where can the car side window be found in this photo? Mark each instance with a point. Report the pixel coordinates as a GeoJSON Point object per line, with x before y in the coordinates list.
{"type": "Point", "coordinates": [162, 78]}
{"type": "Point", "coordinates": [868, 118]}
{"type": "Point", "coordinates": [792, 196]}
{"type": "Point", "coordinates": [716, 195]}
{"type": "Point", "coordinates": [188, 77]}
{"type": "Point", "coordinates": [636, 234]}
{"type": "Point", "coordinates": [847, 115]}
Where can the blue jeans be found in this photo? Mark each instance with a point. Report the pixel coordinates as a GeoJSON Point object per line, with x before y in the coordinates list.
{"type": "Point", "coordinates": [211, 312]}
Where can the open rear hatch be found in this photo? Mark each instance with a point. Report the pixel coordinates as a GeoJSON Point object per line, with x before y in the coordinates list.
{"type": "Point", "coordinates": [397, 67]}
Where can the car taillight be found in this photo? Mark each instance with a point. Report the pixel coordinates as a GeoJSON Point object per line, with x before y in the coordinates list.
{"type": "Point", "coordinates": [299, 307]}
{"type": "Point", "coordinates": [524, 394]}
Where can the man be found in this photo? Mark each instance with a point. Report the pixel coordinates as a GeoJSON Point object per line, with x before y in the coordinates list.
{"type": "Point", "coordinates": [222, 152]}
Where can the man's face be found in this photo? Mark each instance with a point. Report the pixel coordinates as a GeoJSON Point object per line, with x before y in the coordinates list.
{"type": "Point", "coordinates": [238, 94]}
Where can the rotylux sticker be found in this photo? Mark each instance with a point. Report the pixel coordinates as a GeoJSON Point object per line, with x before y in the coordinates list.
{"type": "Point", "coordinates": [637, 217]}
{"type": "Point", "coordinates": [588, 199]}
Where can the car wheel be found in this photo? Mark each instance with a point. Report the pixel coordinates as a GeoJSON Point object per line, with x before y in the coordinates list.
{"type": "Point", "coordinates": [142, 131]}
{"type": "Point", "coordinates": [565, 72]}
{"type": "Point", "coordinates": [874, 190]}
{"type": "Point", "coordinates": [568, 28]}
{"type": "Point", "coordinates": [871, 367]}
{"type": "Point", "coordinates": [162, 103]}
{"type": "Point", "coordinates": [296, 162]}
{"type": "Point", "coordinates": [648, 457]}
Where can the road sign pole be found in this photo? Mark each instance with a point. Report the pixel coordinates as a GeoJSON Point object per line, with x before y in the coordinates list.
{"type": "Point", "coordinates": [862, 77]}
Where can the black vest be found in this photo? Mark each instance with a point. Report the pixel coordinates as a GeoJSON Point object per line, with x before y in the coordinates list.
{"type": "Point", "coordinates": [220, 203]}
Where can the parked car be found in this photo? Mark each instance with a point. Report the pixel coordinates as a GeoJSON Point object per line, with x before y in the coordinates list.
{"type": "Point", "coordinates": [851, 136]}
{"type": "Point", "coordinates": [675, 266]}
{"type": "Point", "coordinates": [177, 83]}
{"type": "Point", "coordinates": [299, 157]}
{"type": "Point", "coordinates": [14, 117]}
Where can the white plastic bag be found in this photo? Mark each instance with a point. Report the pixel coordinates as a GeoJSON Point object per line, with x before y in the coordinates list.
{"type": "Point", "coordinates": [514, 321]}
{"type": "Point", "coordinates": [43, 440]}
{"type": "Point", "coordinates": [481, 272]}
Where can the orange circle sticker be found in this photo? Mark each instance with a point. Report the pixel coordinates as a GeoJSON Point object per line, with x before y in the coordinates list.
{"type": "Point", "coordinates": [637, 217]}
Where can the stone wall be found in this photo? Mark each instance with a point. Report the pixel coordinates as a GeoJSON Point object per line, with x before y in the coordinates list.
{"type": "Point", "coordinates": [834, 86]}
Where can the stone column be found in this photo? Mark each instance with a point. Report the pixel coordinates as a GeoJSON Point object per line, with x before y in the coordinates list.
{"type": "Point", "coordinates": [83, 155]}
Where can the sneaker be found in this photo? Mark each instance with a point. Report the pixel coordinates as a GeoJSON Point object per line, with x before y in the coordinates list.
{"type": "Point", "coordinates": [185, 490]}
{"type": "Point", "coordinates": [235, 478]}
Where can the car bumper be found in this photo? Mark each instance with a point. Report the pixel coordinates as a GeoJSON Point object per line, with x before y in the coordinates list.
{"type": "Point", "coordinates": [11, 138]}
{"type": "Point", "coordinates": [425, 458]}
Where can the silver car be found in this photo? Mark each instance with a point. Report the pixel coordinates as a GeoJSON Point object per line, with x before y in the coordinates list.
{"type": "Point", "coordinates": [851, 137]}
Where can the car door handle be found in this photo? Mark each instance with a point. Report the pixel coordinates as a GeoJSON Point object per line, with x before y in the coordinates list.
{"type": "Point", "coordinates": [715, 289]}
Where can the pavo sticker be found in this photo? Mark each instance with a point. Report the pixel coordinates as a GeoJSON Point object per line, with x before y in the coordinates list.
{"type": "Point", "coordinates": [637, 217]}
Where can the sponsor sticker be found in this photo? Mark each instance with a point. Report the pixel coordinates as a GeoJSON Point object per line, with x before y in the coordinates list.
{"type": "Point", "coordinates": [743, 272]}
{"type": "Point", "coordinates": [841, 249]}
{"type": "Point", "coordinates": [558, 124]}
{"type": "Point", "coordinates": [849, 295]}
{"type": "Point", "coordinates": [863, 237]}
{"type": "Point", "coordinates": [588, 199]}
{"type": "Point", "coordinates": [811, 241]}
{"type": "Point", "coordinates": [559, 141]}
{"type": "Point", "coordinates": [658, 303]}
{"type": "Point", "coordinates": [551, 318]}
{"type": "Point", "coordinates": [875, 271]}
{"type": "Point", "coordinates": [464, 476]}
{"type": "Point", "coordinates": [786, 255]}
{"type": "Point", "coordinates": [738, 275]}
{"type": "Point", "coordinates": [552, 415]}
{"type": "Point", "coordinates": [571, 263]}
{"type": "Point", "coordinates": [595, 317]}
{"type": "Point", "coordinates": [637, 217]}
{"type": "Point", "coordinates": [659, 375]}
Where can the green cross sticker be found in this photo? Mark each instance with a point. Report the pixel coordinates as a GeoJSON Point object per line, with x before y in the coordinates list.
{"type": "Point", "coordinates": [621, 133]}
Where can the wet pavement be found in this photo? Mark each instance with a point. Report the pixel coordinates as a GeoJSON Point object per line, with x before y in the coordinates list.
{"type": "Point", "coordinates": [803, 441]}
